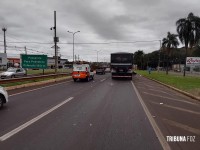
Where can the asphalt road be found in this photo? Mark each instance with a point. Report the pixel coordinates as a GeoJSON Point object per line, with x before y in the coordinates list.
{"type": "Point", "coordinates": [175, 114]}
{"type": "Point", "coordinates": [103, 114]}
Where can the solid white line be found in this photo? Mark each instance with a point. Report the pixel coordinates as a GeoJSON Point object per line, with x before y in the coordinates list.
{"type": "Point", "coordinates": [38, 88]}
{"type": "Point", "coordinates": [159, 134]}
{"type": "Point", "coordinates": [23, 126]}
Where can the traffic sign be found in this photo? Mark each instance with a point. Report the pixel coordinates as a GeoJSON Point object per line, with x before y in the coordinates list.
{"type": "Point", "coordinates": [34, 61]}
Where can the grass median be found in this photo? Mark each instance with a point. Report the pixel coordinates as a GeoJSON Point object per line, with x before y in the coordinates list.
{"type": "Point", "coordinates": [32, 81]}
{"type": "Point", "coordinates": [188, 83]}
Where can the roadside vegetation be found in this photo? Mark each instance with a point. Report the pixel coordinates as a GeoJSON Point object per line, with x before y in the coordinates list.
{"type": "Point", "coordinates": [38, 72]}
{"type": "Point", "coordinates": [47, 71]}
{"type": "Point", "coordinates": [30, 81]}
{"type": "Point", "coordinates": [189, 84]}
{"type": "Point", "coordinates": [188, 34]}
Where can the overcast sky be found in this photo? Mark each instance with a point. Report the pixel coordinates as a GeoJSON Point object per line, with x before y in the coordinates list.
{"type": "Point", "coordinates": [105, 25]}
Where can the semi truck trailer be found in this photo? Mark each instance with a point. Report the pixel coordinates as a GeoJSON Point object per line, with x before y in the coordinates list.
{"type": "Point", "coordinates": [121, 65]}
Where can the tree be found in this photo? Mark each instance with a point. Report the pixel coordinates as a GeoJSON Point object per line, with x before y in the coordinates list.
{"type": "Point", "coordinates": [189, 32]}
{"type": "Point", "coordinates": [168, 43]}
{"type": "Point", "coordinates": [138, 59]}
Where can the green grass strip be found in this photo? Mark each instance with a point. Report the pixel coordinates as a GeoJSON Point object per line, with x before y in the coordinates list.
{"type": "Point", "coordinates": [190, 84]}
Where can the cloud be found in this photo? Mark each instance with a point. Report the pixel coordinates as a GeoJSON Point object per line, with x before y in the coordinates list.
{"type": "Point", "coordinates": [99, 21]}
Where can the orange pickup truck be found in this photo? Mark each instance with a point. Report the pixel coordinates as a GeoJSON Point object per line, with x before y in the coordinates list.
{"type": "Point", "coordinates": [82, 72]}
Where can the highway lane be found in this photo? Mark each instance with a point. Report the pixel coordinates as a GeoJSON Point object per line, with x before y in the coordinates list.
{"type": "Point", "coordinates": [101, 114]}
{"type": "Point", "coordinates": [174, 113]}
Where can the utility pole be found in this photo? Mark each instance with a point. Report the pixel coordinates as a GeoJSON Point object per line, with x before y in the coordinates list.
{"type": "Point", "coordinates": [55, 41]}
{"type": "Point", "coordinates": [26, 54]}
{"type": "Point", "coordinates": [4, 30]}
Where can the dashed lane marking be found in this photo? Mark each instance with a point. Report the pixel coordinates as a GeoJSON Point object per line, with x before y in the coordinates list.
{"type": "Point", "coordinates": [103, 80]}
{"type": "Point", "coordinates": [39, 88]}
{"type": "Point", "coordinates": [25, 125]}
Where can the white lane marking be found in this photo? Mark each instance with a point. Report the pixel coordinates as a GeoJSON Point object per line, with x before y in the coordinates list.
{"type": "Point", "coordinates": [178, 108]}
{"type": "Point", "coordinates": [159, 134]}
{"type": "Point", "coordinates": [38, 88]}
{"type": "Point", "coordinates": [174, 99]}
{"type": "Point", "coordinates": [103, 80]}
{"type": "Point", "coordinates": [184, 127]}
{"type": "Point", "coordinates": [23, 126]}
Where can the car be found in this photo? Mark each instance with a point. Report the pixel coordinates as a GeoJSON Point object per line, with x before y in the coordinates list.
{"type": "Point", "coordinates": [82, 72]}
{"type": "Point", "coordinates": [13, 72]}
{"type": "Point", "coordinates": [3, 96]}
{"type": "Point", "coordinates": [100, 70]}
{"type": "Point", "coordinates": [107, 70]}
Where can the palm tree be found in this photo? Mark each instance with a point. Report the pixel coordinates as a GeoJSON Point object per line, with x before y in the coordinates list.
{"type": "Point", "coordinates": [189, 32]}
{"type": "Point", "coordinates": [169, 42]}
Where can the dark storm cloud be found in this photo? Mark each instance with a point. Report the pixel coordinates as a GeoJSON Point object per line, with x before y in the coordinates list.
{"type": "Point", "coordinates": [98, 22]}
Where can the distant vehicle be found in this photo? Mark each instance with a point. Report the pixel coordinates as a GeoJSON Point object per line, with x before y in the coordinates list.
{"type": "Point", "coordinates": [107, 70]}
{"type": "Point", "coordinates": [82, 72]}
{"type": "Point", "coordinates": [12, 73]}
{"type": "Point", "coordinates": [121, 65]}
{"type": "Point", "coordinates": [100, 70]}
{"type": "Point", "coordinates": [3, 96]}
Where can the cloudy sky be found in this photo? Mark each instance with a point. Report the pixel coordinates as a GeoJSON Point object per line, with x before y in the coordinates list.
{"type": "Point", "coordinates": [105, 25]}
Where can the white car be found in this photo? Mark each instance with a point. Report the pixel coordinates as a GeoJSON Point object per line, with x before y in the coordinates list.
{"type": "Point", "coordinates": [12, 73]}
{"type": "Point", "coordinates": [3, 96]}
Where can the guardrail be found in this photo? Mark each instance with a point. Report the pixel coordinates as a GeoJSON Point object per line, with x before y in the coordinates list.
{"type": "Point", "coordinates": [4, 81]}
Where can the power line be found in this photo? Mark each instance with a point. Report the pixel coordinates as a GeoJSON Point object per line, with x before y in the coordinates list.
{"type": "Point", "coordinates": [120, 42]}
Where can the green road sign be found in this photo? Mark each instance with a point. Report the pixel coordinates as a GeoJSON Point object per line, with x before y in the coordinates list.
{"type": "Point", "coordinates": [34, 61]}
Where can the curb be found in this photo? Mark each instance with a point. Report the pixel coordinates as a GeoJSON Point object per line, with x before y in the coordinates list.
{"type": "Point", "coordinates": [178, 90]}
{"type": "Point", "coordinates": [36, 83]}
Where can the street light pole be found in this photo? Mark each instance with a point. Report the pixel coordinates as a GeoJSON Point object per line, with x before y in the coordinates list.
{"type": "Point", "coordinates": [73, 41]}
{"type": "Point", "coordinates": [97, 54]}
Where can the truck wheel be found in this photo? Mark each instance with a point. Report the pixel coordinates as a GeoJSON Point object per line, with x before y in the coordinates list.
{"type": "Point", "coordinates": [75, 80]}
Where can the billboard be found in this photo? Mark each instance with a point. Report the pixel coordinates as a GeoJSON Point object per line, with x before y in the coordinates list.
{"type": "Point", "coordinates": [34, 61]}
{"type": "Point", "coordinates": [3, 59]}
{"type": "Point", "coordinates": [193, 61]}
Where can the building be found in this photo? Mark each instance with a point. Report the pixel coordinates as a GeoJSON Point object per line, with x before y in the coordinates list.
{"type": "Point", "coordinates": [51, 62]}
{"type": "Point", "coordinates": [13, 62]}
{"type": "Point", "coordinates": [3, 60]}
